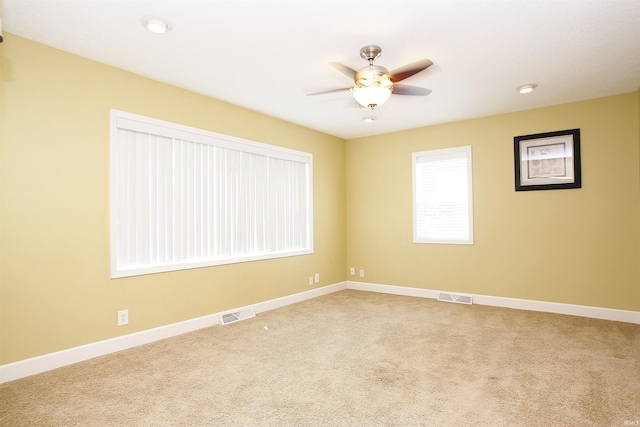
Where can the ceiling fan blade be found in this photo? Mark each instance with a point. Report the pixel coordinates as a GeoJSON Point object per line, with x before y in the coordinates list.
{"type": "Point", "coordinates": [324, 92]}
{"type": "Point", "coordinates": [410, 69]}
{"type": "Point", "coordinates": [399, 89]}
{"type": "Point", "coordinates": [347, 71]}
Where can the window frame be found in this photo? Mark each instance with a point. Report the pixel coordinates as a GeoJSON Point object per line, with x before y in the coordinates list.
{"type": "Point", "coordinates": [444, 153]}
{"type": "Point", "coordinates": [143, 124]}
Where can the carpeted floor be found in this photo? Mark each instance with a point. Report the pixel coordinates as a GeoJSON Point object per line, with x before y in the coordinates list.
{"type": "Point", "coordinates": [354, 358]}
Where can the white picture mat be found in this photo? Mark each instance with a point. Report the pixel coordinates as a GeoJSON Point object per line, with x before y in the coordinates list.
{"type": "Point", "coordinates": [547, 161]}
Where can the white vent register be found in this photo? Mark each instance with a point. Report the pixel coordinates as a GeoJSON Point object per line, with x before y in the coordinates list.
{"type": "Point", "coordinates": [448, 297]}
{"type": "Point", "coordinates": [236, 316]}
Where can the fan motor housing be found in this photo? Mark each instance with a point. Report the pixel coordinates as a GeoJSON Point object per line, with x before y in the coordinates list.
{"type": "Point", "coordinates": [373, 75]}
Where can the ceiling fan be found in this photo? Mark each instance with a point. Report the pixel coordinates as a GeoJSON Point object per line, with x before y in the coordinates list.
{"type": "Point", "coordinates": [374, 84]}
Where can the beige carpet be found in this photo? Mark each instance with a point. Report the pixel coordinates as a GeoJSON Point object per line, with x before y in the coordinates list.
{"type": "Point", "coordinates": [354, 359]}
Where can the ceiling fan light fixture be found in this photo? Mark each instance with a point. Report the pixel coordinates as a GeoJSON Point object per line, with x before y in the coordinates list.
{"type": "Point", "coordinates": [374, 84]}
{"type": "Point", "coordinates": [528, 88]}
{"type": "Point", "coordinates": [156, 25]}
{"type": "Point", "coordinates": [371, 96]}
{"type": "Point", "coordinates": [369, 119]}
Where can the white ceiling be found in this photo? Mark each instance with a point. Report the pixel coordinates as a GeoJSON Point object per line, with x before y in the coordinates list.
{"type": "Point", "coordinates": [266, 55]}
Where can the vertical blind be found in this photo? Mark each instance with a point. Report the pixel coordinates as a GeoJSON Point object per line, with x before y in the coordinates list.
{"type": "Point", "coordinates": [186, 198]}
{"type": "Point", "coordinates": [443, 196]}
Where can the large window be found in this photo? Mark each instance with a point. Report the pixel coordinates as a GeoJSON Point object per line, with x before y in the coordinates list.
{"type": "Point", "coordinates": [442, 196]}
{"type": "Point", "coordinates": [185, 198]}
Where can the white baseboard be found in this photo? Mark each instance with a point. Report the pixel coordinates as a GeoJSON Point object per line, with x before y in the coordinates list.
{"type": "Point", "coordinates": [521, 304]}
{"type": "Point", "coordinates": [47, 362]}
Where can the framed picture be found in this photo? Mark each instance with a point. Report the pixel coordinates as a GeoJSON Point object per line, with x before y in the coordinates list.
{"type": "Point", "coordinates": [548, 161]}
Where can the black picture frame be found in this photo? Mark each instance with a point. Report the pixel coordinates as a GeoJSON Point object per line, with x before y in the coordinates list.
{"type": "Point", "coordinates": [548, 161]}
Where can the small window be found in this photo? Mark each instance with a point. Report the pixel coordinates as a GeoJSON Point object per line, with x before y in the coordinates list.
{"type": "Point", "coordinates": [442, 196]}
{"type": "Point", "coordinates": [185, 198]}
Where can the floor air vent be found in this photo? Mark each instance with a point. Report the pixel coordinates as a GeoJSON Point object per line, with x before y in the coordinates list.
{"type": "Point", "coordinates": [461, 299]}
{"type": "Point", "coordinates": [235, 316]}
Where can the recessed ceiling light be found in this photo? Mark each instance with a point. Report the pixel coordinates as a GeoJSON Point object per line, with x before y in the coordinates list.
{"type": "Point", "coordinates": [156, 25]}
{"type": "Point", "coordinates": [527, 88]}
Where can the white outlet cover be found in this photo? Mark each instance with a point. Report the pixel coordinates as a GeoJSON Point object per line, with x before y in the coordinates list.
{"type": "Point", "coordinates": [361, 273]}
{"type": "Point", "coordinates": [317, 277]}
{"type": "Point", "coordinates": [123, 317]}
{"type": "Point", "coordinates": [353, 271]}
{"type": "Point", "coordinates": [310, 280]}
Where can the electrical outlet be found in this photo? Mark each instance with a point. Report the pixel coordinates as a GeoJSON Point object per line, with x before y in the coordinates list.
{"type": "Point", "coordinates": [310, 280]}
{"type": "Point", "coordinates": [123, 317]}
{"type": "Point", "coordinates": [352, 271]}
{"type": "Point", "coordinates": [361, 273]}
{"type": "Point", "coordinates": [317, 277]}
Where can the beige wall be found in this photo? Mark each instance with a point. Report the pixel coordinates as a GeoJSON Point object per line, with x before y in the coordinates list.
{"type": "Point", "coordinates": [55, 286]}
{"type": "Point", "coordinates": [578, 246]}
